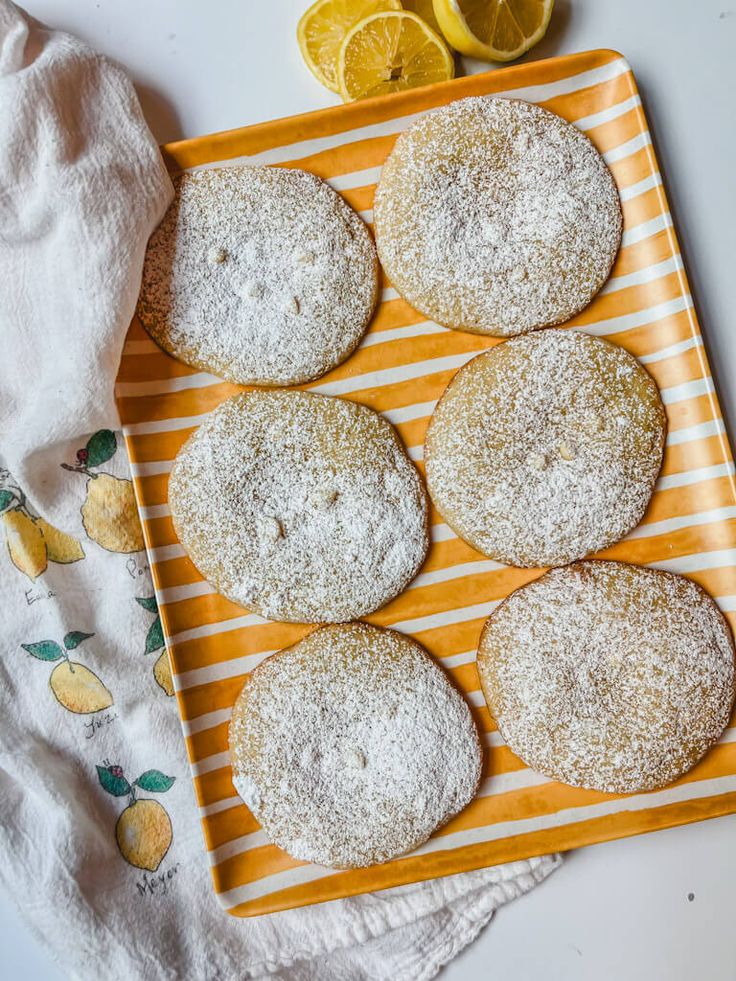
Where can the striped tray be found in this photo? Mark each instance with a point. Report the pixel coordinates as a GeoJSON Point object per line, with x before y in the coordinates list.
{"type": "Point", "coordinates": [400, 369]}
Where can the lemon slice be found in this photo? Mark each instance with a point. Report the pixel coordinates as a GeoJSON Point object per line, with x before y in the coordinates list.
{"type": "Point", "coordinates": [321, 30]}
{"type": "Point", "coordinates": [493, 30]}
{"type": "Point", "coordinates": [425, 10]}
{"type": "Point", "coordinates": [389, 52]}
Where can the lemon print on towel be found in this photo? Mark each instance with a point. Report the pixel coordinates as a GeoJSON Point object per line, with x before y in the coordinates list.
{"type": "Point", "coordinates": [155, 642]}
{"type": "Point", "coordinates": [143, 830]}
{"type": "Point", "coordinates": [109, 514]}
{"type": "Point", "coordinates": [32, 542]}
{"type": "Point", "coordinates": [77, 688]}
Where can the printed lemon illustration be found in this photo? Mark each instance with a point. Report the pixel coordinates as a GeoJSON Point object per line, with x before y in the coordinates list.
{"type": "Point", "coordinates": [25, 544]}
{"type": "Point", "coordinates": [33, 542]}
{"type": "Point", "coordinates": [154, 642]}
{"type": "Point", "coordinates": [77, 688]}
{"type": "Point", "coordinates": [143, 830]}
{"type": "Point", "coordinates": [162, 672]}
{"type": "Point", "coordinates": [60, 547]}
{"type": "Point", "coordinates": [109, 513]}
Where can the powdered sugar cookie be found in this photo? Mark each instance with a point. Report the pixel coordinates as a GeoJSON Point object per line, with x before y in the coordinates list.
{"type": "Point", "coordinates": [262, 275]}
{"type": "Point", "coordinates": [496, 216]}
{"type": "Point", "coordinates": [352, 747]}
{"type": "Point", "coordinates": [300, 507]}
{"type": "Point", "coordinates": [546, 448]}
{"type": "Point", "coordinates": [609, 676]}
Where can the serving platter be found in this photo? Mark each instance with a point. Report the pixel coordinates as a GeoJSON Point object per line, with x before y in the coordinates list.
{"type": "Point", "coordinates": [400, 369]}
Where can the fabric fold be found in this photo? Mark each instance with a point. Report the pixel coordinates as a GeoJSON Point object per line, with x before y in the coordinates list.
{"type": "Point", "coordinates": [82, 185]}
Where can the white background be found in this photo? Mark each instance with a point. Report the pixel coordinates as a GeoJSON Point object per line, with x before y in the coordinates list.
{"type": "Point", "coordinates": [658, 906]}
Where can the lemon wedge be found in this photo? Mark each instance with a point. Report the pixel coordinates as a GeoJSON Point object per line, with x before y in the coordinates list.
{"type": "Point", "coordinates": [389, 52]}
{"type": "Point", "coordinates": [322, 28]}
{"type": "Point", "coordinates": [493, 30]}
{"type": "Point", "coordinates": [425, 10]}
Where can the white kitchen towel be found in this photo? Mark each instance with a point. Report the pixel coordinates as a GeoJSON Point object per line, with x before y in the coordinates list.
{"type": "Point", "coordinates": [100, 842]}
{"type": "Point", "coordinates": [82, 186]}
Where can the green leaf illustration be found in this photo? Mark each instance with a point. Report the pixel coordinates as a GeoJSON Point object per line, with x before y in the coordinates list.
{"type": "Point", "coordinates": [6, 497]}
{"type": "Point", "coordinates": [155, 782]}
{"type": "Point", "coordinates": [101, 447]}
{"type": "Point", "coordinates": [115, 785]}
{"type": "Point", "coordinates": [45, 650]}
{"type": "Point", "coordinates": [148, 603]}
{"type": "Point", "coordinates": [74, 639]}
{"type": "Point", "coordinates": [155, 636]}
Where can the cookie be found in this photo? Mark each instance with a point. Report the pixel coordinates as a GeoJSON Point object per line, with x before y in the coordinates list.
{"type": "Point", "coordinates": [261, 275]}
{"type": "Point", "coordinates": [300, 507]}
{"type": "Point", "coordinates": [352, 747]}
{"type": "Point", "coordinates": [496, 216]}
{"type": "Point", "coordinates": [546, 448]}
{"type": "Point", "coordinates": [608, 676]}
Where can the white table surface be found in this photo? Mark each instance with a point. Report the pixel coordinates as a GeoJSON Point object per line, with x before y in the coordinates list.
{"type": "Point", "coordinates": [643, 909]}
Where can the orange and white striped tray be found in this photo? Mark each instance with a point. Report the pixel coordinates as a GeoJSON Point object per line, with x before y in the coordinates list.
{"type": "Point", "coordinates": [400, 369]}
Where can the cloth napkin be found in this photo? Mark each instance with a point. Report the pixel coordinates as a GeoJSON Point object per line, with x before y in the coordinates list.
{"type": "Point", "coordinates": [100, 839]}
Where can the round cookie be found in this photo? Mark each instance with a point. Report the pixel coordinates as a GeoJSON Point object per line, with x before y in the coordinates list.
{"type": "Point", "coordinates": [496, 216]}
{"type": "Point", "coordinates": [300, 507]}
{"type": "Point", "coordinates": [352, 747]}
{"type": "Point", "coordinates": [261, 275]}
{"type": "Point", "coordinates": [546, 448]}
{"type": "Point", "coordinates": [608, 676]}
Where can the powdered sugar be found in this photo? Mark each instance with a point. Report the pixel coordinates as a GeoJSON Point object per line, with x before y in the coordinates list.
{"type": "Point", "coordinates": [262, 275]}
{"type": "Point", "coordinates": [496, 216]}
{"type": "Point", "coordinates": [546, 448]}
{"type": "Point", "coordinates": [300, 507]}
{"type": "Point", "coordinates": [352, 747]}
{"type": "Point", "coordinates": [609, 676]}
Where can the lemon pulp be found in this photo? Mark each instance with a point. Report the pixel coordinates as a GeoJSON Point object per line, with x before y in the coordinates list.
{"type": "Point", "coordinates": [322, 28]}
{"type": "Point", "coordinates": [493, 30]}
{"type": "Point", "coordinates": [425, 10]}
{"type": "Point", "coordinates": [389, 52]}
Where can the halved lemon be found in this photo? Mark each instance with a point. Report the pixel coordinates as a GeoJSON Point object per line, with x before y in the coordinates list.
{"type": "Point", "coordinates": [493, 30]}
{"type": "Point", "coordinates": [323, 27]}
{"type": "Point", "coordinates": [389, 52]}
{"type": "Point", "coordinates": [425, 10]}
